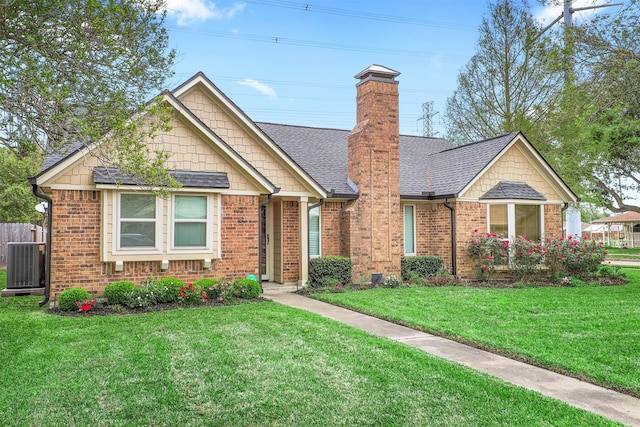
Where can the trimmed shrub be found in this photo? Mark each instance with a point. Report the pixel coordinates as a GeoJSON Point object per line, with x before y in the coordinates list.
{"type": "Point", "coordinates": [68, 298]}
{"type": "Point", "coordinates": [119, 292]}
{"type": "Point", "coordinates": [245, 288]}
{"type": "Point", "coordinates": [168, 289]}
{"type": "Point", "coordinates": [421, 266]}
{"type": "Point", "coordinates": [142, 296]}
{"type": "Point", "coordinates": [329, 271]}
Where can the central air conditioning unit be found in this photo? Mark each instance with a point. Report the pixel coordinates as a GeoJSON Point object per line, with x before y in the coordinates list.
{"type": "Point", "coordinates": [25, 265]}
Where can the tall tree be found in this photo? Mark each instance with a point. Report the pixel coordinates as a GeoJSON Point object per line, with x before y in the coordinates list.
{"type": "Point", "coordinates": [598, 129]}
{"type": "Point", "coordinates": [73, 70]}
{"type": "Point", "coordinates": [17, 202]}
{"type": "Point", "coordinates": [509, 83]}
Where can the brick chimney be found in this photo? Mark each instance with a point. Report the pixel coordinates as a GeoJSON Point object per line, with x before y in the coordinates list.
{"type": "Point", "coordinates": [374, 220]}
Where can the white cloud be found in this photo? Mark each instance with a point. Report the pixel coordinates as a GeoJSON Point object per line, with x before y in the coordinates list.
{"type": "Point", "coordinates": [190, 11]}
{"type": "Point", "coordinates": [260, 87]}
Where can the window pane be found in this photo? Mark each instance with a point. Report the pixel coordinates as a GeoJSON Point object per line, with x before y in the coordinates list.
{"type": "Point", "coordinates": [498, 220]}
{"type": "Point", "coordinates": [137, 206]}
{"type": "Point", "coordinates": [190, 207]}
{"type": "Point", "coordinates": [314, 232]}
{"type": "Point", "coordinates": [409, 235]}
{"type": "Point", "coordinates": [190, 234]}
{"type": "Point", "coordinates": [137, 234]}
{"type": "Point", "coordinates": [528, 222]}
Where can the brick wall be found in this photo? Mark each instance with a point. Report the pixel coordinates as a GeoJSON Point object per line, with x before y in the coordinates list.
{"type": "Point", "coordinates": [330, 220]}
{"type": "Point", "coordinates": [552, 221]}
{"type": "Point", "coordinates": [76, 237]}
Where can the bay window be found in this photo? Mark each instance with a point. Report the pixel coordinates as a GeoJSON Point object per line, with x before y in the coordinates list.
{"type": "Point", "coordinates": [512, 220]}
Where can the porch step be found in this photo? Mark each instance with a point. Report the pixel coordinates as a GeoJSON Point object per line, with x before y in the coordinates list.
{"type": "Point", "coordinates": [269, 288]}
{"type": "Point", "coordinates": [21, 292]}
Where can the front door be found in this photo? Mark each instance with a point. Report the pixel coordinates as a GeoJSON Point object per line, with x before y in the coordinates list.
{"type": "Point", "coordinates": [266, 240]}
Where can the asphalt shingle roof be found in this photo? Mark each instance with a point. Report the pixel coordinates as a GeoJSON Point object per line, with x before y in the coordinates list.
{"type": "Point", "coordinates": [512, 190]}
{"type": "Point", "coordinates": [186, 178]}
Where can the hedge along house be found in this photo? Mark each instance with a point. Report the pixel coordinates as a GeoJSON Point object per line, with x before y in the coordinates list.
{"type": "Point", "coordinates": [262, 198]}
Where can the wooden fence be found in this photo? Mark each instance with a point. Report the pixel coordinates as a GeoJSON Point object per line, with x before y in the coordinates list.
{"type": "Point", "coordinates": [18, 233]}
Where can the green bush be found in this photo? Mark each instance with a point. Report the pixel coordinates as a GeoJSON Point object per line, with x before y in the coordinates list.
{"type": "Point", "coordinates": [245, 288]}
{"type": "Point", "coordinates": [329, 271]}
{"type": "Point", "coordinates": [423, 266]}
{"type": "Point", "coordinates": [142, 296]}
{"type": "Point", "coordinates": [68, 298]}
{"type": "Point", "coordinates": [168, 289]}
{"type": "Point", "coordinates": [118, 292]}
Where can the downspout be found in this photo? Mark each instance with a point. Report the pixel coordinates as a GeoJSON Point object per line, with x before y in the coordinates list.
{"type": "Point", "coordinates": [317, 205]}
{"type": "Point", "coordinates": [47, 261]}
{"type": "Point", "coordinates": [262, 226]}
{"type": "Point", "coordinates": [454, 269]}
{"type": "Point", "coordinates": [565, 206]}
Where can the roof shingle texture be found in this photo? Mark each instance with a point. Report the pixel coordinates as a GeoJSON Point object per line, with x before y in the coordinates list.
{"type": "Point", "coordinates": [512, 190]}
{"type": "Point", "coordinates": [186, 178]}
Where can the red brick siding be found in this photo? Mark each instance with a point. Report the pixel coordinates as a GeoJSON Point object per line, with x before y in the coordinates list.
{"type": "Point", "coordinates": [290, 241]}
{"type": "Point", "coordinates": [552, 221]}
{"type": "Point", "coordinates": [330, 221]}
{"type": "Point", "coordinates": [76, 237]}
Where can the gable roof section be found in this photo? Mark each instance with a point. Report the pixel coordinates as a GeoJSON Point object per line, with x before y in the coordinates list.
{"type": "Point", "coordinates": [512, 190]}
{"type": "Point", "coordinates": [247, 123]}
{"type": "Point", "coordinates": [449, 171]}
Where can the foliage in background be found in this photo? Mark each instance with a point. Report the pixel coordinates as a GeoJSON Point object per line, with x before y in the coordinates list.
{"type": "Point", "coordinates": [17, 202]}
{"type": "Point", "coordinates": [509, 83]}
{"type": "Point", "coordinates": [74, 71]}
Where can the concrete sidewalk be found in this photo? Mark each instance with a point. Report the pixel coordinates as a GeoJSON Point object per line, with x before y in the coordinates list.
{"type": "Point", "coordinates": [615, 406]}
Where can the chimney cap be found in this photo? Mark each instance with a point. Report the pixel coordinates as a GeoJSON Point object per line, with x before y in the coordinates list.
{"type": "Point", "coordinates": [378, 72]}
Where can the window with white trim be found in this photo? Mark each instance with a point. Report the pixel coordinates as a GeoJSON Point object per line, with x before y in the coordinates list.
{"type": "Point", "coordinates": [409, 230]}
{"type": "Point", "coordinates": [138, 221]}
{"type": "Point", "coordinates": [191, 221]}
{"type": "Point", "coordinates": [314, 232]}
{"type": "Point", "coordinates": [513, 220]}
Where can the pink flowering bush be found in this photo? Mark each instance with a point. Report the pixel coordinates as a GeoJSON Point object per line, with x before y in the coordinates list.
{"type": "Point", "coordinates": [526, 258]}
{"type": "Point", "coordinates": [192, 295]}
{"type": "Point", "coordinates": [570, 257]}
{"type": "Point", "coordinates": [489, 250]}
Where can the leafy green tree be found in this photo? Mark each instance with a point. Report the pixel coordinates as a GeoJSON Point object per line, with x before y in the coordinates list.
{"type": "Point", "coordinates": [74, 70]}
{"type": "Point", "coordinates": [17, 203]}
{"type": "Point", "coordinates": [509, 83]}
{"type": "Point", "coordinates": [598, 127]}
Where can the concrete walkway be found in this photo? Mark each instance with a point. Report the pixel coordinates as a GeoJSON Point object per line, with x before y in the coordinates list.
{"type": "Point", "coordinates": [615, 406]}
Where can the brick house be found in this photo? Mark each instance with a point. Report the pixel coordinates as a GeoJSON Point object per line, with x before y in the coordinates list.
{"type": "Point", "coordinates": [263, 198]}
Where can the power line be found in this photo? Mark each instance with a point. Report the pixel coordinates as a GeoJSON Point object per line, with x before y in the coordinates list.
{"type": "Point", "coordinates": [310, 43]}
{"type": "Point", "coordinates": [306, 7]}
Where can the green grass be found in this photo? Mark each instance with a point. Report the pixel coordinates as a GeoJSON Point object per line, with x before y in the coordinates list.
{"type": "Point", "coordinates": [247, 365]}
{"type": "Point", "coordinates": [589, 332]}
{"type": "Point", "coordinates": [619, 253]}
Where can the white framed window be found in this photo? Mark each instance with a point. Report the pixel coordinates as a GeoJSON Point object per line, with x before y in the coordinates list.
{"type": "Point", "coordinates": [314, 232]}
{"type": "Point", "coordinates": [191, 222]}
{"type": "Point", "coordinates": [138, 222]}
{"type": "Point", "coordinates": [409, 230]}
{"type": "Point", "coordinates": [512, 220]}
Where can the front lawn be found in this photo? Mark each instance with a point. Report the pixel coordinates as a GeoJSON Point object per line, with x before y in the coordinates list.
{"type": "Point", "coordinates": [245, 365]}
{"type": "Point", "coordinates": [590, 332]}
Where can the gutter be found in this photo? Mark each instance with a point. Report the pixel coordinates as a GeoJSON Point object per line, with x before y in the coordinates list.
{"type": "Point", "coordinates": [47, 261]}
{"type": "Point", "coordinates": [454, 269]}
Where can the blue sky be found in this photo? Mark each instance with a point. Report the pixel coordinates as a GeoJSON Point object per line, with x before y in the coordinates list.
{"type": "Point", "coordinates": [291, 62]}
